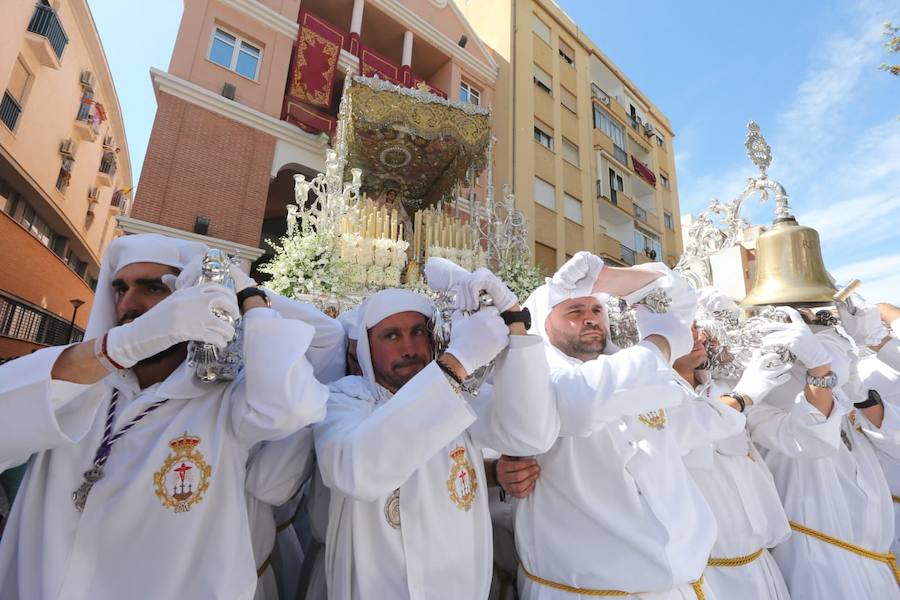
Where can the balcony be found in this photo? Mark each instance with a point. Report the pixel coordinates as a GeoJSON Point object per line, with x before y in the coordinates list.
{"type": "Point", "coordinates": [87, 121]}
{"type": "Point", "coordinates": [10, 111]}
{"type": "Point", "coordinates": [118, 204]}
{"type": "Point", "coordinates": [107, 171]}
{"type": "Point", "coordinates": [48, 39]}
{"type": "Point", "coordinates": [626, 255]}
{"type": "Point", "coordinates": [643, 171]}
{"type": "Point", "coordinates": [640, 214]}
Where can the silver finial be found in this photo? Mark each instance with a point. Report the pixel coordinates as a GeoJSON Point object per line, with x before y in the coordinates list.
{"type": "Point", "coordinates": [757, 149]}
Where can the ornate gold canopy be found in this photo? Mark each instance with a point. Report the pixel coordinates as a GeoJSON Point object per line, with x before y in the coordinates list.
{"type": "Point", "coordinates": [412, 141]}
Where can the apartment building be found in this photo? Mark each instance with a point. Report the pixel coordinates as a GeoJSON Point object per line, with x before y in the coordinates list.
{"type": "Point", "coordinates": [64, 171]}
{"type": "Point", "coordinates": [588, 154]}
{"type": "Point", "coordinates": [251, 98]}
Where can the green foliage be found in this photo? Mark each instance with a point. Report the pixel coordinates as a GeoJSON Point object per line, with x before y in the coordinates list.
{"type": "Point", "coordinates": [306, 263]}
{"type": "Point", "coordinates": [892, 33]}
{"type": "Point", "coordinates": [521, 276]}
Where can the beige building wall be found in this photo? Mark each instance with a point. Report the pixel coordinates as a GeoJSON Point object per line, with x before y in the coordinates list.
{"type": "Point", "coordinates": [65, 172]}
{"type": "Point", "coordinates": [562, 181]}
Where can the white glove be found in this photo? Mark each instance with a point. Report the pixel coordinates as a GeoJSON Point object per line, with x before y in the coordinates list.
{"type": "Point", "coordinates": [186, 315]}
{"type": "Point", "coordinates": [676, 287]}
{"type": "Point", "coordinates": [443, 275]}
{"type": "Point", "coordinates": [669, 325]}
{"type": "Point", "coordinates": [762, 375]}
{"type": "Point", "coordinates": [865, 326]}
{"type": "Point", "coordinates": [713, 299]}
{"type": "Point", "coordinates": [190, 274]}
{"type": "Point", "coordinates": [797, 337]}
{"type": "Point", "coordinates": [475, 340]}
{"type": "Point", "coordinates": [895, 327]}
{"type": "Point", "coordinates": [468, 297]}
{"type": "Point", "coordinates": [576, 278]}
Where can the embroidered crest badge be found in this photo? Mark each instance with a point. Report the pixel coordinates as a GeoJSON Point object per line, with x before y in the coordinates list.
{"type": "Point", "coordinates": [655, 419]}
{"type": "Point", "coordinates": [392, 509]}
{"type": "Point", "coordinates": [463, 481]}
{"type": "Point", "coordinates": [184, 476]}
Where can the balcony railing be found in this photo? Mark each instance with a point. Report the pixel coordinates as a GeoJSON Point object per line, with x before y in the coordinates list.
{"type": "Point", "coordinates": [119, 201]}
{"type": "Point", "coordinates": [10, 111]}
{"type": "Point", "coordinates": [108, 164]}
{"type": "Point", "coordinates": [626, 254]}
{"type": "Point", "coordinates": [45, 22]}
{"type": "Point", "coordinates": [640, 214]}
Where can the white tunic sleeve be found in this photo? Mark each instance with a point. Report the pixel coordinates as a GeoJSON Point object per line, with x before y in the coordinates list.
{"type": "Point", "coordinates": [630, 382]}
{"type": "Point", "coordinates": [38, 413]}
{"type": "Point", "coordinates": [700, 421]}
{"type": "Point", "coordinates": [518, 415]}
{"type": "Point", "coordinates": [802, 431]}
{"type": "Point", "coordinates": [890, 354]}
{"type": "Point", "coordinates": [277, 469]}
{"type": "Point", "coordinates": [278, 393]}
{"type": "Point", "coordinates": [887, 437]}
{"type": "Point", "coordinates": [327, 349]}
{"type": "Point", "coordinates": [366, 452]}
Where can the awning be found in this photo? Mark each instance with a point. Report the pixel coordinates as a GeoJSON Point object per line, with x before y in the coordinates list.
{"type": "Point", "coordinates": [642, 170]}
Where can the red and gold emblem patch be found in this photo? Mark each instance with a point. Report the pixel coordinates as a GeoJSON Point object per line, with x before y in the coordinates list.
{"type": "Point", "coordinates": [184, 476]}
{"type": "Point", "coordinates": [463, 481]}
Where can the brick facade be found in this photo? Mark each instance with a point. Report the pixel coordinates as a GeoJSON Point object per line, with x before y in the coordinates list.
{"type": "Point", "coordinates": [32, 272]}
{"type": "Point", "coordinates": [199, 163]}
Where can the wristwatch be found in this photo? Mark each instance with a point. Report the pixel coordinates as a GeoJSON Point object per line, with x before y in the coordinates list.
{"type": "Point", "coordinates": [739, 398]}
{"type": "Point", "coordinates": [517, 316]}
{"type": "Point", "coordinates": [872, 399]}
{"type": "Point", "coordinates": [251, 292]}
{"type": "Point", "coordinates": [829, 380]}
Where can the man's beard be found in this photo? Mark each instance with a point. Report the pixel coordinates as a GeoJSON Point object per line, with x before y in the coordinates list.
{"type": "Point", "coordinates": [393, 380]}
{"type": "Point", "coordinates": [160, 356]}
{"type": "Point", "coordinates": [579, 347]}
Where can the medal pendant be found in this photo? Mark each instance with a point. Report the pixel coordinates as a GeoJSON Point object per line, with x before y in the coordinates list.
{"type": "Point", "coordinates": [79, 496]}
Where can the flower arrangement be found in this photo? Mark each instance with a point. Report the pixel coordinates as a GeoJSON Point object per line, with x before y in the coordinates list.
{"type": "Point", "coordinates": [307, 262]}
{"type": "Point", "coordinates": [521, 276]}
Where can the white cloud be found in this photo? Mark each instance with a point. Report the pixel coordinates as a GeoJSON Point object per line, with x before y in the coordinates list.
{"type": "Point", "coordinates": [880, 277]}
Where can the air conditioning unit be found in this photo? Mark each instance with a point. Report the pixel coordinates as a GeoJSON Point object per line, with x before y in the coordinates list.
{"type": "Point", "coordinates": [67, 147]}
{"type": "Point", "coordinates": [648, 128]}
{"type": "Point", "coordinates": [93, 194]}
{"type": "Point", "coordinates": [87, 79]}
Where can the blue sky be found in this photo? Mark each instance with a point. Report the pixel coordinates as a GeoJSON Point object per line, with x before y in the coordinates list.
{"type": "Point", "coordinates": [806, 71]}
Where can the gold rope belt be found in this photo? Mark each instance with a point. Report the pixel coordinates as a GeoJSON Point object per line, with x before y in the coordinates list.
{"type": "Point", "coordinates": [887, 558]}
{"type": "Point", "coordinates": [697, 585]}
{"type": "Point", "coordinates": [896, 498]}
{"type": "Point", "coordinates": [738, 561]}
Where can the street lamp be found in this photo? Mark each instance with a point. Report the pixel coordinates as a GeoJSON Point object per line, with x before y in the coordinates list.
{"type": "Point", "coordinates": [76, 304]}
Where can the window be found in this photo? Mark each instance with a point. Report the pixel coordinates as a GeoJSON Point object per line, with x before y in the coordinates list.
{"type": "Point", "coordinates": [572, 208]}
{"type": "Point", "coordinates": [14, 96]}
{"type": "Point", "coordinates": [605, 123]}
{"type": "Point", "coordinates": [566, 53]}
{"type": "Point", "coordinates": [567, 99]}
{"type": "Point", "coordinates": [664, 180]}
{"type": "Point", "coordinates": [65, 173]}
{"type": "Point", "coordinates": [9, 199]}
{"type": "Point", "coordinates": [543, 80]}
{"type": "Point", "coordinates": [647, 243]}
{"type": "Point", "coordinates": [616, 184]}
{"type": "Point", "coordinates": [667, 219]}
{"type": "Point", "coordinates": [570, 152]}
{"type": "Point", "coordinates": [541, 135]}
{"type": "Point", "coordinates": [660, 141]}
{"type": "Point", "coordinates": [469, 94]}
{"type": "Point", "coordinates": [544, 193]}
{"type": "Point", "coordinates": [540, 28]}
{"type": "Point", "coordinates": [235, 54]}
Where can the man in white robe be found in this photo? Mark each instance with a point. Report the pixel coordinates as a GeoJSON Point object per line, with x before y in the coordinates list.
{"type": "Point", "coordinates": [881, 372]}
{"type": "Point", "coordinates": [733, 477]}
{"type": "Point", "coordinates": [401, 448]}
{"type": "Point", "coordinates": [168, 516]}
{"type": "Point", "coordinates": [615, 511]}
{"type": "Point", "coordinates": [821, 450]}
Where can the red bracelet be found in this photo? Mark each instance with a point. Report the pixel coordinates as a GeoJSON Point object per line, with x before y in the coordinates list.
{"type": "Point", "coordinates": [106, 354]}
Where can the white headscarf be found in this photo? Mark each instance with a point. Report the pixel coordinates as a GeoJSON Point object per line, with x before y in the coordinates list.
{"type": "Point", "coordinates": [539, 305]}
{"type": "Point", "coordinates": [349, 319]}
{"type": "Point", "coordinates": [375, 309]}
{"type": "Point", "coordinates": [130, 249]}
